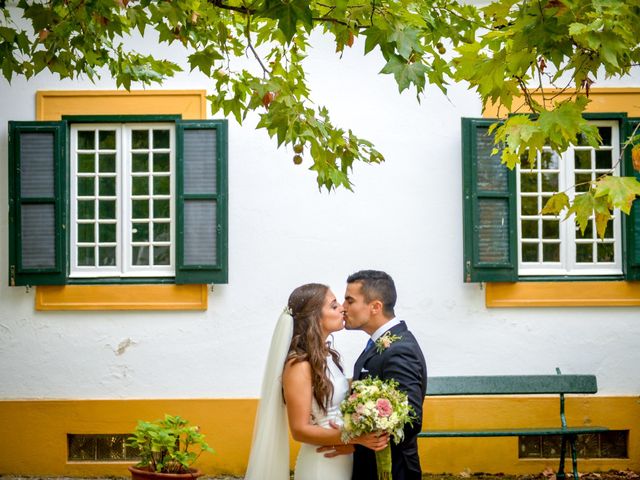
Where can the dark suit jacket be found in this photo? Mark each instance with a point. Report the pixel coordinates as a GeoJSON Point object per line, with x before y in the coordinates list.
{"type": "Point", "coordinates": [404, 362]}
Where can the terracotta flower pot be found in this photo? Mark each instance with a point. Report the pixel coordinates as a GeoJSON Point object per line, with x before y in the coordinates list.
{"type": "Point", "coordinates": [146, 474]}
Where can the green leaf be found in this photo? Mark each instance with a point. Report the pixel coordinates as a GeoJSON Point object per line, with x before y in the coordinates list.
{"type": "Point", "coordinates": [556, 204]}
{"type": "Point", "coordinates": [620, 192]}
{"type": "Point", "coordinates": [406, 73]}
{"type": "Point", "coordinates": [583, 207]}
{"type": "Point", "coordinates": [288, 14]}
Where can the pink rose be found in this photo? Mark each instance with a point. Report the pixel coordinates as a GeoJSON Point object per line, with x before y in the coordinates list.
{"type": "Point", "coordinates": [384, 407]}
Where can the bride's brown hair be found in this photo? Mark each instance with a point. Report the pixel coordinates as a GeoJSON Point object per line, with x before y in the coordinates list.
{"type": "Point", "coordinates": [307, 343]}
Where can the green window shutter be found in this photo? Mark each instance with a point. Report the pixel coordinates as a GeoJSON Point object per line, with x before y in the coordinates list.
{"type": "Point", "coordinates": [37, 237]}
{"type": "Point", "coordinates": [201, 208]}
{"type": "Point", "coordinates": [489, 208]}
{"type": "Point", "coordinates": [632, 222]}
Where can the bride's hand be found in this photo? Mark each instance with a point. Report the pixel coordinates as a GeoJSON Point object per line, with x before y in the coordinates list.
{"type": "Point", "coordinates": [375, 441]}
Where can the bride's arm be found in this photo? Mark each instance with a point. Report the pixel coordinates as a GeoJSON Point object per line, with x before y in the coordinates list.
{"type": "Point", "coordinates": [298, 395]}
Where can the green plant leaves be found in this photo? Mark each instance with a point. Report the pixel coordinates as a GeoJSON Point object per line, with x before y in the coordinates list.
{"type": "Point", "coordinates": [169, 445]}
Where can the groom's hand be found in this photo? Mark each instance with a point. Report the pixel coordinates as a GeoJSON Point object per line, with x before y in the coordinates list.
{"type": "Point", "coordinates": [335, 450]}
{"type": "Point", "coordinates": [331, 451]}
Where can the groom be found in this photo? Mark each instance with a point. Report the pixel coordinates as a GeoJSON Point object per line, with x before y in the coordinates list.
{"type": "Point", "coordinates": [369, 303]}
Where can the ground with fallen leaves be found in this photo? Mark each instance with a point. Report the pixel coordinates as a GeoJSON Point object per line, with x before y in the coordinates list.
{"type": "Point", "coordinates": [546, 475]}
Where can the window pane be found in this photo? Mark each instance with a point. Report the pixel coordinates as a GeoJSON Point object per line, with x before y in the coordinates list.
{"type": "Point", "coordinates": [86, 186]}
{"type": "Point", "coordinates": [605, 133]}
{"type": "Point", "coordinates": [584, 252]}
{"type": "Point", "coordinates": [550, 252]}
{"type": "Point", "coordinates": [140, 139]}
{"type": "Point", "coordinates": [583, 159]}
{"type": "Point", "coordinates": [604, 159]}
{"type": "Point", "coordinates": [86, 257]}
{"type": "Point", "coordinates": [605, 252]}
{"type": "Point", "coordinates": [140, 185]}
{"type": "Point", "coordinates": [161, 186]}
{"type": "Point", "coordinates": [86, 140]}
{"type": "Point", "coordinates": [140, 255]}
{"type": "Point", "coordinates": [529, 252]}
{"type": "Point", "coordinates": [161, 209]}
{"type": "Point", "coordinates": [86, 232]}
{"type": "Point", "coordinates": [550, 229]}
{"type": "Point", "coordinates": [140, 162]}
{"type": "Point", "coordinates": [107, 162]}
{"type": "Point", "coordinates": [161, 255]}
{"type": "Point", "coordinates": [140, 208]}
{"type": "Point", "coordinates": [107, 209]}
{"type": "Point", "coordinates": [608, 232]}
{"type": "Point", "coordinates": [107, 186]}
{"type": "Point", "coordinates": [529, 205]}
{"type": "Point", "coordinates": [529, 228]}
{"type": "Point", "coordinates": [549, 160]}
{"type": "Point", "coordinates": [107, 256]}
{"type": "Point", "coordinates": [107, 232]}
{"type": "Point", "coordinates": [86, 163]}
{"type": "Point", "coordinates": [161, 139]}
{"type": "Point", "coordinates": [160, 162]}
{"type": "Point", "coordinates": [161, 232]}
{"type": "Point", "coordinates": [582, 140]}
{"type": "Point", "coordinates": [140, 232]}
{"type": "Point", "coordinates": [549, 182]}
{"type": "Point", "coordinates": [529, 182]}
{"type": "Point", "coordinates": [107, 140]}
{"type": "Point", "coordinates": [86, 209]}
{"type": "Point", "coordinates": [582, 182]}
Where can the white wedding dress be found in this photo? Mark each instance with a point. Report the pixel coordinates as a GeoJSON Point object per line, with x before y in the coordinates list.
{"type": "Point", "coordinates": [312, 465]}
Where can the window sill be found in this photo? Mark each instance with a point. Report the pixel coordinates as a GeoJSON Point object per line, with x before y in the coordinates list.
{"type": "Point", "coordinates": [562, 294]}
{"type": "Point", "coordinates": [122, 297]}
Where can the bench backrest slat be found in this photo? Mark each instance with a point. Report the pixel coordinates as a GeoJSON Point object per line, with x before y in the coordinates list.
{"type": "Point", "coordinates": [511, 385]}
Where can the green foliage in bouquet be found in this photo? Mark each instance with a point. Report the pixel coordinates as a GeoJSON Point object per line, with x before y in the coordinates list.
{"type": "Point", "coordinates": [170, 445]}
{"type": "Point", "coordinates": [376, 405]}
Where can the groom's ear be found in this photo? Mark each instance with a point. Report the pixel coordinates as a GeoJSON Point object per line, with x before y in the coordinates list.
{"type": "Point", "coordinates": [376, 307]}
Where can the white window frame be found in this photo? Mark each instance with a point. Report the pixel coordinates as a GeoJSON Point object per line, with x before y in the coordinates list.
{"type": "Point", "coordinates": [568, 228]}
{"type": "Point", "coordinates": [124, 267]}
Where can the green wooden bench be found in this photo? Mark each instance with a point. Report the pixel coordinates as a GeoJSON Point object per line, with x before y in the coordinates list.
{"type": "Point", "coordinates": [519, 385]}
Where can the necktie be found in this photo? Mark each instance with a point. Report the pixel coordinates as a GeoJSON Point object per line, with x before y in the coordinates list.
{"type": "Point", "coordinates": [369, 346]}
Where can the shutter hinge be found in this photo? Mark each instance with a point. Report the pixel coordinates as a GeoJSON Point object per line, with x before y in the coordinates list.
{"type": "Point", "coordinates": [12, 275]}
{"type": "Point", "coordinates": [467, 278]}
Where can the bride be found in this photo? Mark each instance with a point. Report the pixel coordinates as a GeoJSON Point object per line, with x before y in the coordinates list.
{"type": "Point", "coordinates": [302, 388]}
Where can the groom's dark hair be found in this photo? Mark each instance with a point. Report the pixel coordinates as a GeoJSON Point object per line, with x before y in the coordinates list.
{"type": "Point", "coordinates": [377, 285]}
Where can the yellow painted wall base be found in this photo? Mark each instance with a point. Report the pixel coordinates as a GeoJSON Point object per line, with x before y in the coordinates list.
{"type": "Point", "coordinates": [33, 432]}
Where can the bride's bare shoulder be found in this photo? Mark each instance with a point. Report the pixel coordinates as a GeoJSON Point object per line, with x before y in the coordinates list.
{"type": "Point", "coordinates": [296, 369]}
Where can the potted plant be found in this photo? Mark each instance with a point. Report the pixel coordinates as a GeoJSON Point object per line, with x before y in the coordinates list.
{"type": "Point", "coordinates": [167, 449]}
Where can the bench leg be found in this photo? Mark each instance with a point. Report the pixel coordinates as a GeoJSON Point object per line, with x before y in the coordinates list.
{"type": "Point", "coordinates": [563, 447]}
{"type": "Point", "coordinates": [574, 456]}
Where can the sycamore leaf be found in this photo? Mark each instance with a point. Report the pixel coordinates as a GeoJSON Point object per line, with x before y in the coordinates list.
{"type": "Point", "coordinates": [556, 204]}
{"type": "Point", "coordinates": [288, 14]}
{"type": "Point", "coordinates": [582, 207]}
{"type": "Point", "coordinates": [602, 219]}
{"type": "Point", "coordinates": [406, 41]}
{"type": "Point", "coordinates": [406, 73]}
{"type": "Point", "coordinates": [620, 192]}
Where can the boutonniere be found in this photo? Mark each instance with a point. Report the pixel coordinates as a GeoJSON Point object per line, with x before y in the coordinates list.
{"type": "Point", "coordinates": [385, 341]}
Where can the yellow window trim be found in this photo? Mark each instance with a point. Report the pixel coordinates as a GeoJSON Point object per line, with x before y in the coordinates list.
{"type": "Point", "coordinates": [52, 105]}
{"type": "Point", "coordinates": [121, 297]}
{"type": "Point", "coordinates": [563, 294]}
{"type": "Point", "coordinates": [578, 293]}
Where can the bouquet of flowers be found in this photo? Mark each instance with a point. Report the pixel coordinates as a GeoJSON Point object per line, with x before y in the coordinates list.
{"type": "Point", "coordinates": [376, 406]}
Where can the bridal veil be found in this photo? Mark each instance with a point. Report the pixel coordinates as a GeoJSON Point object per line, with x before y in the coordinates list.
{"type": "Point", "coordinates": [269, 458]}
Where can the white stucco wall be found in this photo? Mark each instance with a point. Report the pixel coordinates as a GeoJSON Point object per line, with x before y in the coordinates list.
{"type": "Point", "coordinates": [404, 217]}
